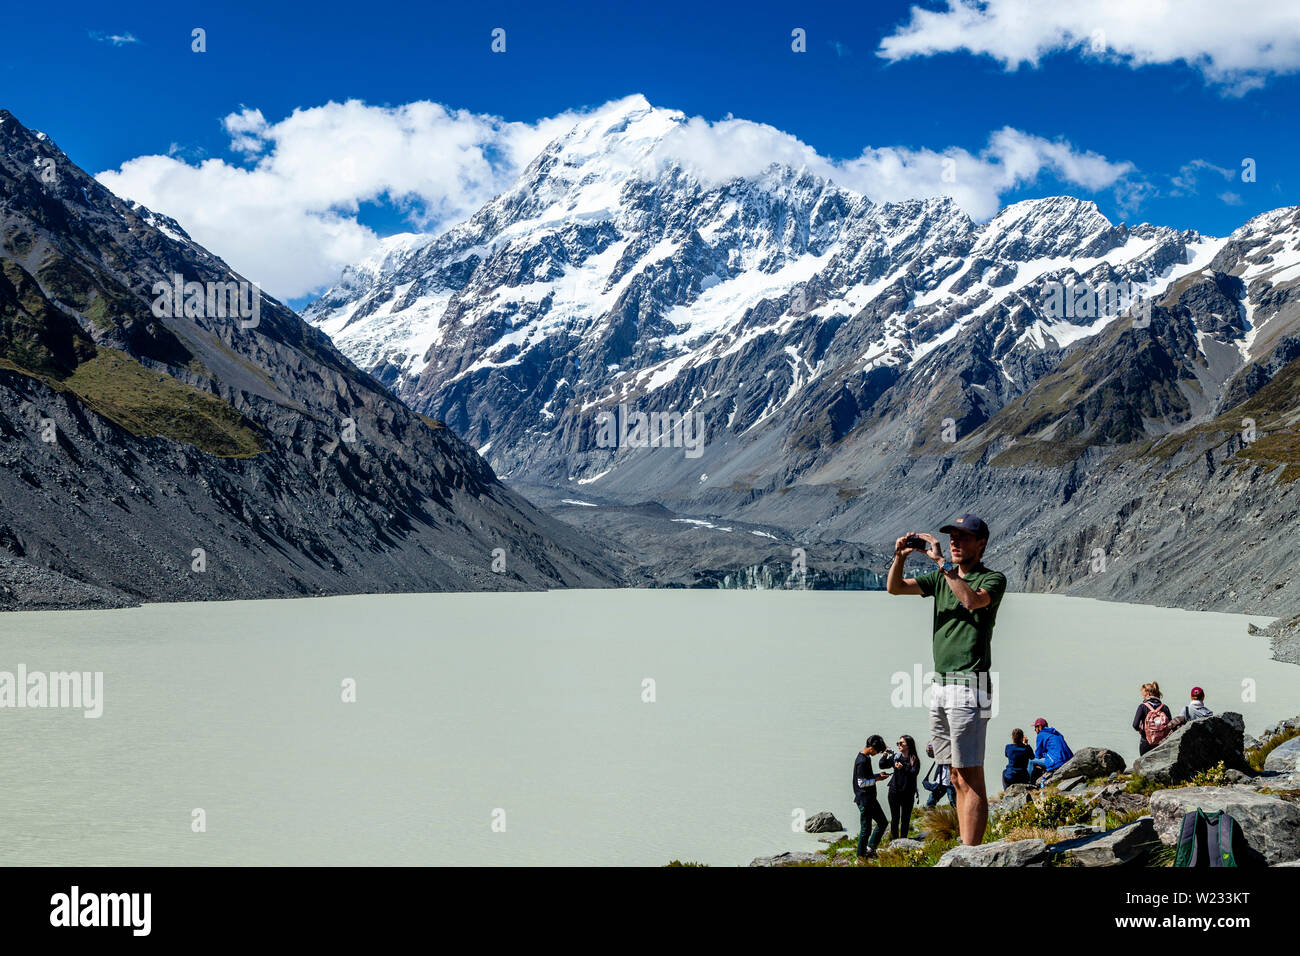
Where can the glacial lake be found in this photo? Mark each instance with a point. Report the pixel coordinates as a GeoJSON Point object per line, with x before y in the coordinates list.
{"type": "Point", "coordinates": [467, 705]}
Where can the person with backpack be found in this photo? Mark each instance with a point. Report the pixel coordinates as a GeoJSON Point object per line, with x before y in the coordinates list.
{"type": "Point", "coordinates": [1018, 754]}
{"type": "Point", "coordinates": [902, 787]}
{"type": "Point", "coordinates": [1051, 752]}
{"type": "Point", "coordinates": [864, 795]}
{"type": "Point", "coordinates": [1153, 718]}
{"type": "Point", "coordinates": [1197, 709]}
{"type": "Point", "coordinates": [942, 782]}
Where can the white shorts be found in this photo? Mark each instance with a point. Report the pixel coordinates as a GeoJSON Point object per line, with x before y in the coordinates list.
{"type": "Point", "coordinates": [958, 725]}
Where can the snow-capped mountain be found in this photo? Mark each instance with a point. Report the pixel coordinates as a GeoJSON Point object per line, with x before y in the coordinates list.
{"type": "Point", "coordinates": [802, 322]}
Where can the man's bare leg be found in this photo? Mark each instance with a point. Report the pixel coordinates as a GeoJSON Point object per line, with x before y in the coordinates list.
{"type": "Point", "coordinates": [972, 803]}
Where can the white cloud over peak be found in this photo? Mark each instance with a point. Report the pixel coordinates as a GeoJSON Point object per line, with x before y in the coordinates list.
{"type": "Point", "coordinates": [1237, 44]}
{"type": "Point", "coordinates": [287, 216]}
{"type": "Point", "coordinates": [730, 148]}
{"type": "Point", "coordinates": [285, 213]}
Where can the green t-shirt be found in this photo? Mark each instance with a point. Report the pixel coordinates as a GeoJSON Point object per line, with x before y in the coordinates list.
{"type": "Point", "coordinates": [962, 637]}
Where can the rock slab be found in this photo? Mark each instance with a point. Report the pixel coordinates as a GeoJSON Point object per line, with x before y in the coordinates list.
{"type": "Point", "coordinates": [1018, 853]}
{"type": "Point", "coordinates": [1125, 845]}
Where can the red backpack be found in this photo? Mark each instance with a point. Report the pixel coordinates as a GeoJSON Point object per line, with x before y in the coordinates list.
{"type": "Point", "coordinates": [1155, 726]}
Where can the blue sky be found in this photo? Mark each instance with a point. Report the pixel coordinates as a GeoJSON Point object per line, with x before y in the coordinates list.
{"type": "Point", "coordinates": [1177, 106]}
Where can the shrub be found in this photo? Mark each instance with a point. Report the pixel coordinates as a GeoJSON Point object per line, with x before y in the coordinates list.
{"type": "Point", "coordinates": [1216, 776]}
{"type": "Point", "coordinates": [1054, 810]}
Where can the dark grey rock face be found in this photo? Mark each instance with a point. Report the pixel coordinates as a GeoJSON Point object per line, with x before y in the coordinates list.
{"type": "Point", "coordinates": [1270, 824]}
{"type": "Point", "coordinates": [351, 491]}
{"type": "Point", "coordinates": [1196, 746]}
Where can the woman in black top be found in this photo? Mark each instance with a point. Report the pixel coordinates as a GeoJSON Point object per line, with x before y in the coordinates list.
{"type": "Point", "coordinates": [1151, 703]}
{"type": "Point", "coordinates": [1018, 754]}
{"type": "Point", "coordinates": [902, 787]}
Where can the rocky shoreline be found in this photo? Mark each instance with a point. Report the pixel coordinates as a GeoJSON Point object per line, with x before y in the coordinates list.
{"type": "Point", "coordinates": [24, 587]}
{"type": "Point", "coordinates": [1097, 811]}
{"type": "Point", "coordinates": [1284, 634]}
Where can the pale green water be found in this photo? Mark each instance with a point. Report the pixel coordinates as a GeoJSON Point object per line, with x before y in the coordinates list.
{"type": "Point", "coordinates": [532, 703]}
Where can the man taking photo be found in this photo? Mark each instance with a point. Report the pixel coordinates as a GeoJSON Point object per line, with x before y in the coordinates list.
{"type": "Point", "coordinates": [966, 598]}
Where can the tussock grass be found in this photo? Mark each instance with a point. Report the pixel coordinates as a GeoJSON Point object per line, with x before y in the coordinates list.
{"type": "Point", "coordinates": [1256, 756]}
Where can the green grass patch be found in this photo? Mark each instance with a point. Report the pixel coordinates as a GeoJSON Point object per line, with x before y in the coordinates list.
{"type": "Point", "coordinates": [150, 404]}
{"type": "Point", "coordinates": [1256, 756]}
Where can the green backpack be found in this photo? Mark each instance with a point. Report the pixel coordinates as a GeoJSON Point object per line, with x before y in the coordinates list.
{"type": "Point", "coordinates": [1210, 839]}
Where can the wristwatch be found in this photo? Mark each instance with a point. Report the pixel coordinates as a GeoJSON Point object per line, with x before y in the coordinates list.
{"type": "Point", "coordinates": [947, 567]}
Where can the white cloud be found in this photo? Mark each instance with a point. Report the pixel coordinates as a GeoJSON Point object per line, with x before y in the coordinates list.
{"type": "Point", "coordinates": [975, 181]}
{"type": "Point", "coordinates": [286, 214]}
{"type": "Point", "coordinates": [117, 39]}
{"type": "Point", "coordinates": [1233, 43]}
{"type": "Point", "coordinates": [1185, 181]}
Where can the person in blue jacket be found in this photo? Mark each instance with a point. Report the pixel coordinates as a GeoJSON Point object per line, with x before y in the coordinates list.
{"type": "Point", "coordinates": [1052, 751]}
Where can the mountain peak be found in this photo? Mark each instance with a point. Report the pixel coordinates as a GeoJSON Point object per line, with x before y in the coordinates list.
{"type": "Point", "coordinates": [625, 131]}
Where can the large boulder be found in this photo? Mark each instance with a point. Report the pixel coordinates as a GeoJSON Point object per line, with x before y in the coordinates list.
{"type": "Point", "coordinates": [1090, 762]}
{"type": "Point", "coordinates": [823, 822]}
{"type": "Point", "coordinates": [1285, 757]}
{"type": "Point", "coordinates": [1017, 853]}
{"type": "Point", "coordinates": [1197, 745]}
{"type": "Point", "coordinates": [1127, 844]}
{"type": "Point", "coordinates": [1270, 824]}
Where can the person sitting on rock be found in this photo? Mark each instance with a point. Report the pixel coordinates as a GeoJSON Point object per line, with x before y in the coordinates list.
{"type": "Point", "coordinates": [1197, 709]}
{"type": "Point", "coordinates": [1018, 754]}
{"type": "Point", "coordinates": [864, 795]}
{"type": "Point", "coordinates": [1153, 718]}
{"type": "Point", "coordinates": [1052, 751]}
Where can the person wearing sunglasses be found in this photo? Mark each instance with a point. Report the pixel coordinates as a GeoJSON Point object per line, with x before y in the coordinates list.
{"type": "Point", "coordinates": [902, 787]}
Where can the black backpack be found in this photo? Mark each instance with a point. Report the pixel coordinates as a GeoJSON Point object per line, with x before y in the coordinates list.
{"type": "Point", "coordinates": [1210, 839]}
